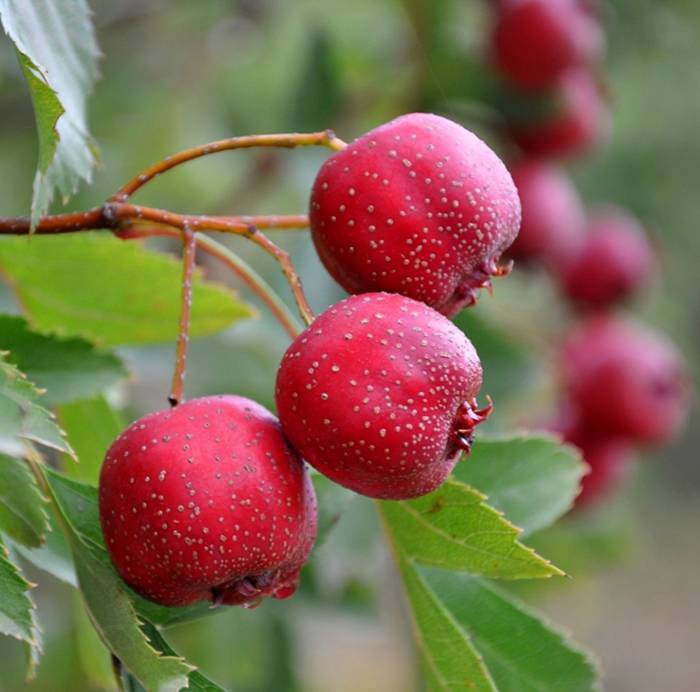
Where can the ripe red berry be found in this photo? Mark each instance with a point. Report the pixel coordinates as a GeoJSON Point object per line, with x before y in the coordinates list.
{"type": "Point", "coordinates": [576, 119]}
{"type": "Point", "coordinates": [625, 380]}
{"type": "Point", "coordinates": [535, 41]}
{"type": "Point", "coordinates": [379, 395]}
{"type": "Point", "coordinates": [615, 261]}
{"type": "Point", "coordinates": [207, 502]}
{"type": "Point", "coordinates": [419, 206]}
{"type": "Point", "coordinates": [553, 224]}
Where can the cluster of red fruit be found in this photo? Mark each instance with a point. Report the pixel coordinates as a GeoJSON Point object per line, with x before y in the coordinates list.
{"type": "Point", "coordinates": [623, 384]}
{"type": "Point", "coordinates": [210, 501]}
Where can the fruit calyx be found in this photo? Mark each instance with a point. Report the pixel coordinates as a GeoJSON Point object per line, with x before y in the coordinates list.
{"type": "Point", "coordinates": [250, 591]}
{"type": "Point", "coordinates": [468, 416]}
{"type": "Point", "coordinates": [467, 291]}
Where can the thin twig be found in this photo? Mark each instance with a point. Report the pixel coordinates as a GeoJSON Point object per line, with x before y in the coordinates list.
{"type": "Point", "coordinates": [103, 218]}
{"type": "Point", "coordinates": [241, 269]}
{"type": "Point", "coordinates": [189, 248]}
{"type": "Point", "coordinates": [122, 215]}
{"type": "Point", "coordinates": [326, 138]}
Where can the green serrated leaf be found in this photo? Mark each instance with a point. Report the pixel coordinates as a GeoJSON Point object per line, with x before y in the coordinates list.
{"type": "Point", "coordinates": [53, 557]}
{"type": "Point", "coordinates": [21, 418]}
{"type": "Point", "coordinates": [95, 658]}
{"type": "Point", "coordinates": [91, 426]}
{"type": "Point", "coordinates": [115, 619]}
{"type": "Point", "coordinates": [68, 369]}
{"type": "Point", "coordinates": [60, 73]}
{"type": "Point", "coordinates": [79, 506]}
{"type": "Point", "coordinates": [532, 479]}
{"type": "Point", "coordinates": [522, 652]}
{"type": "Point", "coordinates": [108, 601]}
{"type": "Point", "coordinates": [22, 514]}
{"type": "Point", "coordinates": [47, 110]}
{"type": "Point", "coordinates": [450, 661]}
{"type": "Point", "coordinates": [108, 290]}
{"type": "Point", "coordinates": [17, 610]}
{"type": "Point", "coordinates": [454, 528]}
{"type": "Point", "coordinates": [198, 682]}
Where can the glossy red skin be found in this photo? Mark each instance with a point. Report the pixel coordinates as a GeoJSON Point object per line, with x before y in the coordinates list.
{"type": "Point", "coordinates": [207, 502]}
{"type": "Point", "coordinates": [625, 381]}
{"type": "Point", "coordinates": [578, 120]}
{"type": "Point", "coordinates": [553, 224]}
{"type": "Point", "coordinates": [535, 41]}
{"type": "Point", "coordinates": [419, 206]}
{"type": "Point", "coordinates": [370, 394]}
{"type": "Point", "coordinates": [613, 263]}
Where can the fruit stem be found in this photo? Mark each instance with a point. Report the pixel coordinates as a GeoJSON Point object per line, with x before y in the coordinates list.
{"type": "Point", "coordinates": [119, 215]}
{"type": "Point", "coordinates": [469, 415]}
{"type": "Point", "coordinates": [324, 138]}
{"type": "Point", "coordinates": [189, 251]}
{"type": "Point", "coordinates": [241, 269]}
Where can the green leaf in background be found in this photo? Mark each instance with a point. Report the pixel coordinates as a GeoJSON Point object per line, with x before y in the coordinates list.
{"type": "Point", "coordinates": [532, 480]}
{"type": "Point", "coordinates": [91, 426]}
{"type": "Point", "coordinates": [450, 661]}
{"type": "Point", "coordinates": [60, 73]}
{"type": "Point", "coordinates": [521, 652]}
{"type": "Point", "coordinates": [53, 557]}
{"type": "Point", "coordinates": [453, 528]}
{"type": "Point", "coordinates": [68, 369]}
{"type": "Point", "coordinates": [318, 91]}
{"type": "Point", "coordinates": [332, 500]}
{"type": "Point", "coordinates": [504, 361]}
{"type": "Point", "coordinates": [22, 513]}
{"type": "Point", "coordinates": [21, 418]}
{"type": "Point", "coordinates": [111, 609]}
{"type": "Point", "coordinates": [108, 290]}
{"type": "Point", "coordinates": [17, 611]}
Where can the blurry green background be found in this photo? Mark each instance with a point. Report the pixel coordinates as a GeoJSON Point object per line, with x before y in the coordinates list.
{"type": "Point", "coordinates": [179, 73]}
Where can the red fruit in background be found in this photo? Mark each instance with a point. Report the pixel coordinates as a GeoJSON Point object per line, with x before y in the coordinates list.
{"type": "Point", "coordinates": [207, 502]}
{"type": "Point", "coordinates": [608, 459]}
{"type": "Point", "coordinates": [625, 380]}
{"type": "Point", "coordinates": [535, 41]}
{"type": "Point", "coordinates": [614, 262]}
{"type": "Point", "coordinates": [577, 119]}
{"type": "Point", "coordinates": [553, 224]}
{"type": "Point", "coordinates": [379, 395]}
{"type": "Point", "coordinates": [419, 206]}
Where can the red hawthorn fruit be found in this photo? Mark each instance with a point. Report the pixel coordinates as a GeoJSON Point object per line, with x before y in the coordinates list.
{"type": "Point", "coordinates": [378, 393]}
{"type": "Point", "coordinates": [419, 206]}
{"type": "Point", "coordinates": [553, 224]}
{"type": "Point", "coordinates": [535, 41]}
{"type": "Point", "coordinates": [207, 502]}
{"type": "Point", "coordinates": [614, 262]}
{"type": "Point", "coordinates": [625, 380]}
{"type": "Point", "coordinates": [577, 120]}
{"type": "Point", "coordinates": [608, 459]}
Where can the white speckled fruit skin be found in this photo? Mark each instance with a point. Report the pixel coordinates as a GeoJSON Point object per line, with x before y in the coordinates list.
{"type": "Point", "coordinates": [419, 206]}
{"type": "Point", "coordinates": [369, 393]}
{"type": "Point", "coordinates": [207, 502]}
